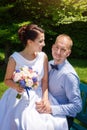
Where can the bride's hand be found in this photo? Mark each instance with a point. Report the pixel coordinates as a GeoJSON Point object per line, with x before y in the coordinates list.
{"type": "Point", "coordinates": [43, 106]}
{"type": "Point", "coordinates": [19, 89]}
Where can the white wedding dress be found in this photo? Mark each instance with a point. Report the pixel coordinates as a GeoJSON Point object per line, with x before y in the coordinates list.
{"type": "Point", "coordinates": [20, 114]}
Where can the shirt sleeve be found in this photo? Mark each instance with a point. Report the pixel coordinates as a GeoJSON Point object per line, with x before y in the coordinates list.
{"type": "Point", "coordinates": [74, 105]}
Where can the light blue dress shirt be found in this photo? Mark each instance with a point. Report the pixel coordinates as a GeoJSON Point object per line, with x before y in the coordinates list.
{"type": "Point", "coordinates": [64, 86]}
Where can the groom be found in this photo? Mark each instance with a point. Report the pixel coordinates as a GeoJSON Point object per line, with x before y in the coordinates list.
{"type": "Point", "coordinates": [63, 82]}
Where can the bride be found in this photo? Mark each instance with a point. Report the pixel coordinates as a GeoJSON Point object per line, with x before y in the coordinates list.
{"type": "Point", "coordinates": [18, 103]}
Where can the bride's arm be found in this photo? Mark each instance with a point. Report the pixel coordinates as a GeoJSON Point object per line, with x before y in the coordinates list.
{"type": "Point", "coordinates": [44, 82]}
{"type": "Point", "coordinates": [8, 75]}
{"type": "Point", "coordinates": [44, 105]}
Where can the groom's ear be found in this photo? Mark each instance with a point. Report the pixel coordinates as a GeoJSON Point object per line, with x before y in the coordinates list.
{"type": "Point", "coordinates": [68, 53]}
{"type": "Point", "coordinates": [52, 46]}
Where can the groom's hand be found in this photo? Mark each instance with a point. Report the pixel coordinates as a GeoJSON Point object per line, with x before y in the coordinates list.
{"type": "Point", "coordinates": [43, 107]}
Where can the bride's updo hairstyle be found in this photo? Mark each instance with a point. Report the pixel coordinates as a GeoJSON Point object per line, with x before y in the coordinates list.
{"type": "Point", "coordinates": [29, 32]}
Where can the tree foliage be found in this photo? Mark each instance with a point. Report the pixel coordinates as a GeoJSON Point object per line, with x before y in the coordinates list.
{"type": "Point", "coordinates": [51, 15]}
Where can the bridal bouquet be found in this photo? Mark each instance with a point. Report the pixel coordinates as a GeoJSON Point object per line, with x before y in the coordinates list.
{"type": "Point", "coordinates": [26, 78]}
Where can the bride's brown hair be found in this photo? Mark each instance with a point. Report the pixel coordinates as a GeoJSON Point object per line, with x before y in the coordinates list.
{"type": "Point", "coordinates": [29, 32]}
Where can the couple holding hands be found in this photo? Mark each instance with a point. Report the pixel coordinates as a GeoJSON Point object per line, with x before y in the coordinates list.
{"type": "Point", "coordinates": [56, 101]}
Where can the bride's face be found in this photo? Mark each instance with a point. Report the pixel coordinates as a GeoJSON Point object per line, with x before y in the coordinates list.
{"type": "Point", "coordinates": [38, 43]}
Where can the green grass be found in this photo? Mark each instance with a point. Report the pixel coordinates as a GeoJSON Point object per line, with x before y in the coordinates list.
{"type": "Point", "coordinates": [2, 88]}
{"type": "Point", "coordinates": [80, 66]}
